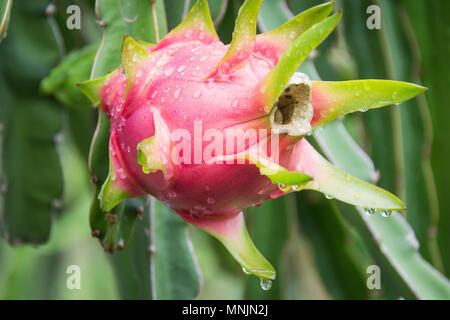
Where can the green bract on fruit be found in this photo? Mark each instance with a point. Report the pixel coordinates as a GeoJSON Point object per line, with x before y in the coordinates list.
{"type": "Point", "coordinates": [211, 129]}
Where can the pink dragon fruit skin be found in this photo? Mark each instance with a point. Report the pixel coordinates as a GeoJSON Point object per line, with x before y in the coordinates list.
{"type": "Point", "coordinates": [192, 78]}
{"type": "Point", "coordinates": [191, 189]}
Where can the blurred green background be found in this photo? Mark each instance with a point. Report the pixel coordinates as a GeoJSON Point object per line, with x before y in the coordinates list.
{"type": "Point", "coordinates": [320, 248]}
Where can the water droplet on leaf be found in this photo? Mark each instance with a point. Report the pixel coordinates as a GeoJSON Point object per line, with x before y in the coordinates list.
{"type": "Point", "coordinates": [284, 187]}
{"type": "Point", "coordinates": [266, 284]}
{"type": "Point", "coordinates": [246, 271]}
{"type": "Point", "coordinates": [386, 213]}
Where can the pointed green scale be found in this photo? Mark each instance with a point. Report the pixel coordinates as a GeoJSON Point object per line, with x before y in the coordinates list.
{"type": "Point", "coordinates": [233, 234]}
{"type": "Point", "coordinates": [285, 35]}
{"type": "Point", "coordinates": [278, 174]}
{"type": "Point", "coordinates": [92, 88]}
{"type": "Point", "coordinates": [198, 17]}
{"type": "Point", "coordinates": [334, 99]}
{"type": "Point", "coordinates": [148, 155]}
{"type": "Point", "coordinates": [111, 195]}
{"type": "Point", "coordinates": [244, 37]}
{"type": "Point", "coordinates": [275, 82]}
{"type": "Point", "coordinates": [337, 184]}
{"type": "Point", "coordinates": [132, 56]}
{"type": "Point", "coordinates": [145, 44]}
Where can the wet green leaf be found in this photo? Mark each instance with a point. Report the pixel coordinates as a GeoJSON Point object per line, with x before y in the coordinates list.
{"type": "Point", "coordinates": [174, 270]}
{"type": "Point", "coordinates": [5, 11]}
{"type": "Point", "coordinates": [30, 169]}
{"type": "Point", "coordinates": [429, 23]}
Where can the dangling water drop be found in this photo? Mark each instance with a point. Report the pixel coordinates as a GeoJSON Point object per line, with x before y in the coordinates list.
{"type": "Point", "coordinates": [246, 271]}
{"type": "Point", "coordinates": [266, 284]}
{"type": "Point", "coordinates": [370, 211]}
{"type": "Point", "coordinates": [386, 213]}
{"type": "Point", "coordinates": [284, 187]}
{"type": "Point", "coordinates": [329, 197]}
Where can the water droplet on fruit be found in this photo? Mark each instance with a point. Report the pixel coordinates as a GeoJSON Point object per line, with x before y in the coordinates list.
{"type": "Point", "coordinates": [266, 284]}
{"type": "Point", "coordinates": [169, 71]}
{"type": "Point", "coordinates": [210, 83]}
{"type": "Point", "coordinates": [121, 173]}
{"type": "Point", "coordinates": [211, 200]}
{"type": "Point", "coordinates": [197, 94]}
{"type": "Point", "coordinates": [188, 33]}
{"type": "Point", "coordinates": [235, 104]}
{"type": "Point", "coordinates": [181, 68]}
{"type": "Point", "coordinates": [176, 93]}
{"type": "Point", "coordinates": [171, 195]}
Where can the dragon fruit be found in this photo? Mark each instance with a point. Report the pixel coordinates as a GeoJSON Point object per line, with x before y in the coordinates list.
{"type": "Point", "coordinates": [178, 107]}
